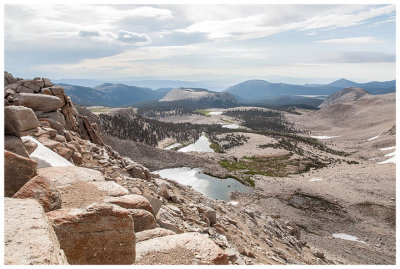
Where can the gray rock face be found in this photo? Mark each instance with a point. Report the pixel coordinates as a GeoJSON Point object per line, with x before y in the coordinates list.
{"type": "Point", "coordinates": [97, 234]}
{"type": "Point", "coordinates": [40, 102]}
{"type": "Point", "coordinates": [56, 116]}
{"type": "Point", "coordinates": [28, 235]}
{"type": "Point", "coordinates": [17, 171]}
{"type": "Point", "coordinates": [15, 144]}
{"type": "Point", "coordinates": [19, 121]}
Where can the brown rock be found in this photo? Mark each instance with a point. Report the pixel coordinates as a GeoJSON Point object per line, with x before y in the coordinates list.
{"type": "Point", "coordinates": [131, 201]}
{"type": "Point", "coordinates": [15, 144]}
{"type": "Point", "coordinates": [17, 171]}
{"type": "Point", "coordinates": [52, 133]}
{"type": "Point", "coordinates": [153, 233]}
{"type": "Point", "coordinates": [190, 247]}
{"type": "Point", "coordinates": [19, 121]}
{"type": "Point", "coordinates": [57, 90]}
{"type": "Point", "coordinates": [29, 238]}
{"type": "Point", "coordinates": [64, 152]}
{"type": "Point", "coordinates": [143, 219]}
{"type": "Point", "coordinates": [46, 91]}
{"type": "Point", "coordinates": [60, 138]}
{"type": "Point", "coordinates": [164, 192]}
{"type": "Point", "coordinates": [47, 82]}
{"type": "Point", "coordinates": [211, 215]}
{"type": "Point", "coordinates": [30, 146]}
{"type": "Point", "coordinates": [97, 234]}
{"type": "Point", "coordinates": [56, 116]}
{"type": "Point", "coordinates": [51, 144]}
{"type": "Point", "coordinates": [62, 176]}
{"type": "Point", "coordinates": [68, 136]}
{"type": "Point", "coordinates": [42, 190]}
{"type": "Point", "coordinates": [77, 158]}
{"type": "Point", "coordinates": [62, 98]}
{"type": "Point", "coordinates": [40, 102]}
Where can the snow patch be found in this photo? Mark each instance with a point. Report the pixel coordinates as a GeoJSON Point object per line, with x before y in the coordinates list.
{"type": "Point", "coordinates": [323, 136]}
{"type": "Point", "coordinates": [348, 237]}
{"type": "Point", "coordinates": [231, 126]}
{"type": "Point", "coordinates": [389, 148]}
{"type": "Point", "coordinates": [215, 113]}
{"type": "Point", "coordinates": [391, 154]}
{"type": "Point", "coordinates": [372, 138]}
{"type": "Point", "coordinates": [316, 179]}
{"type": "Point", "coordinates": [201, 145]}
{"type": "Point", "coordinates": [173, 146]}
{"type": "Point", "coordinates": [45, 157]}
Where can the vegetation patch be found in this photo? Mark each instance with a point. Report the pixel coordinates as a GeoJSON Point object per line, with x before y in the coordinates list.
{"type": "Point", "coordinates": [203, 112]}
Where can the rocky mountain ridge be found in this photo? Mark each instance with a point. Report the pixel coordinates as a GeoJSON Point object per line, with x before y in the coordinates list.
{"type": "Point", "coordinates": [345, 96]}
{"type": "Point", "coordinates": [197, 94]}
{"type": "Point", "coordinates": [102, 208]}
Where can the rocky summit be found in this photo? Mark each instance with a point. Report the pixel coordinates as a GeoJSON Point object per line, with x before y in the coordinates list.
{"type": "Point", "coordinates": [72, 199]}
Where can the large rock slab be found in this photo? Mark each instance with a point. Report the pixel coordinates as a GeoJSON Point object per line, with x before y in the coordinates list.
{"type": "Point", "coordinates": [153, 233]}
{"type": "Point", "coordinates": [29, 238]}
{"type": "Point", "coordinates": [15, 144]}
{"type": "Point", "coordinates": [62, 176]}
{"type": "Point", "coordinates": [111, 188]}
{"type": "Point", "coordinates": [97, 234]}
{"type": "Point", "coordinates": [131, 201]}
{"type": "Point", "coordinates": [20, 121]}
{"type": "Point", "coordinates": [17, 171]}
{"type": "Point", "coordinates": [40, 102]}
{"type": "Point", "coordinates": [186, 248]}
{"type": "Point", "coordinates": [82, 194]}
{"type": "Point", "coordinates": [42, 190]}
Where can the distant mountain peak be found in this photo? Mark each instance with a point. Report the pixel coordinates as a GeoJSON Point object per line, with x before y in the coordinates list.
{"type": "Point", "coordinates": [343, 83]}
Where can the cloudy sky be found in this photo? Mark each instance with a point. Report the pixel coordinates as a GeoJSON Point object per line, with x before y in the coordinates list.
{"type": "Point", "coordinates": [290, 43]}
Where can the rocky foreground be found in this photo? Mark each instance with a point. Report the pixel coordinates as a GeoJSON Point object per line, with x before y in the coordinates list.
{"type": "Point", "coordinates": [97, 207]}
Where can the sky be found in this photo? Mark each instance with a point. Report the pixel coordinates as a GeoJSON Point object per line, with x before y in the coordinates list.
{"type": "Point", "coordinates": [233, 43]}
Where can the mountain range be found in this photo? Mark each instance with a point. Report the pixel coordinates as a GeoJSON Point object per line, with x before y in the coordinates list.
{"type": "Point", "coordinates": [261, 90]}
{"type": "Point", "coordinates": [251, 91]}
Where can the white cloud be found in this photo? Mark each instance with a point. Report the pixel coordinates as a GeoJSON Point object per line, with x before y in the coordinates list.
{"type": "Point", "coordinates": [351, 40]}
{"type": "Point", "coordinates": [264, 24]}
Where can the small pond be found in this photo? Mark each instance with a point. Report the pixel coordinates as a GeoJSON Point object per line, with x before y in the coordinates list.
{"type": "Point", "coordinates": [211, 186]}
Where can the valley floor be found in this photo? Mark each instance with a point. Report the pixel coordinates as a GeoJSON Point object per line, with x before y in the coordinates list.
{"type": "Point", "coordinates": [352, 195]}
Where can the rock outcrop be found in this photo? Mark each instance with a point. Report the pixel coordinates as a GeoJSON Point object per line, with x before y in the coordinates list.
{"type": "Point", "coordinates": [42, 190]}
{"type": "Point", "coordinates": [29, 236]}
{"type": "Point", "coordinates": [18, 170]}
{"type": "Point", "coordinates": [19, 121]}
{"type": "Point", "coordinates": [97, 234]}
{"type": "Point", "coordinates": [187, 248]}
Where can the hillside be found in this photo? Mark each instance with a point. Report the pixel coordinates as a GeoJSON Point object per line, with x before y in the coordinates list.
{"type": "Point", "coordinates": [72, 199]}
{"type": "Point", "coordinates": [112, 95]}
{"type": "Point", "coordinates": [345, 96]}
